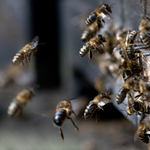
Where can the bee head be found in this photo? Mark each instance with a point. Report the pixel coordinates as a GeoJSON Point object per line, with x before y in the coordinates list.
{"type": "Point", "coordinates": [107, 8]}
{"type": "Point", "coordinates": [101, 38]}
{"type": "Point", "coordinates": [145, 23]}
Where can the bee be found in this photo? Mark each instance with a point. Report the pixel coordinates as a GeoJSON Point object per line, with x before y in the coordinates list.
{"type": "Point", "coordinates": [130, 85]}
{"type": "Point", "coordinates": [145, 90]}
{"type": "Point", "coordinates": [99, 14]}
{"type": "Point", "coordinates": [90, 32]}
{"type": "Point", "coordinates": [129, 44]}
{"type": "Point", "coordinates": [130, 107]}
{"type": "Point", "coordinates": [143, 129]}
{"type": "Point", "coordinates": [97, 104]}
{"type": "Point", "coordinates": [93, 44]}
{"type": "Point", "coordinates": [144, 28]}
{"type": "Point", "coordinates": [22, 98]}
{"type": "Point", "coordinates": [63, 112]}
{"type": "Point", "coordinates": [23, 56]}
{"type": "Point", "coordinates": [131, 66]}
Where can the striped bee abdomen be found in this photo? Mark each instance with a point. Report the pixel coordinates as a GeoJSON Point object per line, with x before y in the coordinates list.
{"type": "Point", "coordinates": [59, 117]}
{"type": "Point", "coordinates": [121, 95]}
{"type": "Point", "coordinates": [143, 136]}
{"type": "Point", "coordinates": [145, 39]}
{"type": "Point", "coordinates": [92, 17]}
{"type": "Point", "coordinates": [90, 109]}
{"type": "Point", "coordinates": [18, 58]}
{"type": "Point", "coordinates": [84, 50]}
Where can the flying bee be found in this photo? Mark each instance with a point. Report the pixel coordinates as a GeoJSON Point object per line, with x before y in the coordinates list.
{"type": "Point", "coordinates": [130, 85]}
{"type": "Point", "coordinates": [90, 32]}
{"type": "Point", "coordinates": [22, 98]}
{"type": "Point", "coordinates": [97, 104]}
{"type": "Point", "coordinates": [143, 129]}
{"type": "Point", "coordinates": [93, 44]}
{"type": "Point", "coordinates": [63, 112]}
{"type": "Point", "coordinates": [24, 55]}
{"type": "Point", "coordinates": [99, 14]}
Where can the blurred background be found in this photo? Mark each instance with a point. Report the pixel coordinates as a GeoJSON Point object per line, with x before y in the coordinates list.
{"type": "Point", "coordinates": [61, 74]}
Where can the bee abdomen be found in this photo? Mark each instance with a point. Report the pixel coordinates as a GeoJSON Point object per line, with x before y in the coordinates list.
{"type": "Point", "coordinates": [91, 19]}
{"type": "Point", "coordinates": [88, 34]}
{"type": "Point", "coordinates": [130, 51]}
{"type": "Point", "coordinates": [89, 111]}
{"type": "Point", "coordinates": [145, 39]}
{"type": "Point", "coordinates": [18, 58]}
{"type": "Point", "coordinates": [13, 108]}
{"type": "Point", "coordinates": [143, 137]}
{"type": "Point", "coordinates": [121, 95]}
{"type": "Point", "coordinates": [84, 50]}
{"type": "Point", "coordinates": [59, 117]}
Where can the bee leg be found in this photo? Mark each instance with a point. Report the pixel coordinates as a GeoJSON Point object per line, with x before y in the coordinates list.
{"type": "Point", "coordinates": [61, 133]}
{"type": "Point", "coordinates": [90, 55]}
{"type": "Point", "coordinates": [74, 114]}
{"type": "Point", "coordinates": [97, 116]}
{"type": "Point", "coordinates": [20, 112]}
{"type": "Point", "coordinates": [73, 124]}
{"type": "Point", "coordinates": [99, 23]}
{"type": "Point", "coordinates": [103, 21]}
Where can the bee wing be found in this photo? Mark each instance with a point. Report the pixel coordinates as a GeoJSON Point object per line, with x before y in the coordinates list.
{"type": "Point", "coordinates": [45, 114]}
{"type": "Point", "coordinates": [34, 42]}
{"type": "Point", "coordinates": [135, 136]}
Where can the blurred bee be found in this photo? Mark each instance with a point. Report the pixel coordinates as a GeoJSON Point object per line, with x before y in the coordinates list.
{"type": "Point", "coordinates": [130, 107]}
{"type": "Point", "coordinates": [22, 98]}
{"type": "Point", "coordinates": [143, 129]}
{"type": "Point", "coordinates": [96, 104]}
{"type": "Point", "coordinates": [63, 112]}
{"type": "Point", "coordinates": [130, 85]}
{"type": "Point", "coordinates": [23, 56]}
{"type": "Point", "coordinates": [99, 14]}
{"type": "Point", "coordinates": [93, 44]}
{"type": "Point", "coordinates": [145, 90]}
{"type": "Point", "coordinates": [144, 28]}
{"type": "Point", "coordinates": [90, 32]}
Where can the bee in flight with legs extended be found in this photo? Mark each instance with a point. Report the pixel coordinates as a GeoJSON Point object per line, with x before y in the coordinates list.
{"type": "Point", "coordinates": [99, 14]}
{"type": "Point", "coordinates": [63, 112]}
{"type": "Point", "coordinates": [24, 55]}
{"type": "Point", "coordinates": [93, 44]}
{"type": "Point", "coordinates": [97, 104]}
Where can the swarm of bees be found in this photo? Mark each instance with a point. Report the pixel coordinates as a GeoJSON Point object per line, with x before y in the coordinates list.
{"type": "Point", "coordinates": [128, 52]}
{"type": "Point", "coordinates": [129, 55]}
{"type": "Point", "coordinates": [94, 21]}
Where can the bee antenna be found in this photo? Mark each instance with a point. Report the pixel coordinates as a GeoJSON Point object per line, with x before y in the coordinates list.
{"type": "Point", "coordinates": [70, 99]}
{"type": "Point", "coordinates": [112, 4]}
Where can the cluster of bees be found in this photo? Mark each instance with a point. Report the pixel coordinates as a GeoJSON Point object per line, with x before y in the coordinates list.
{"type": "Point", "coordinates": [133, 48]}
{"type": "Point", "coordinates": [129, 52]}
